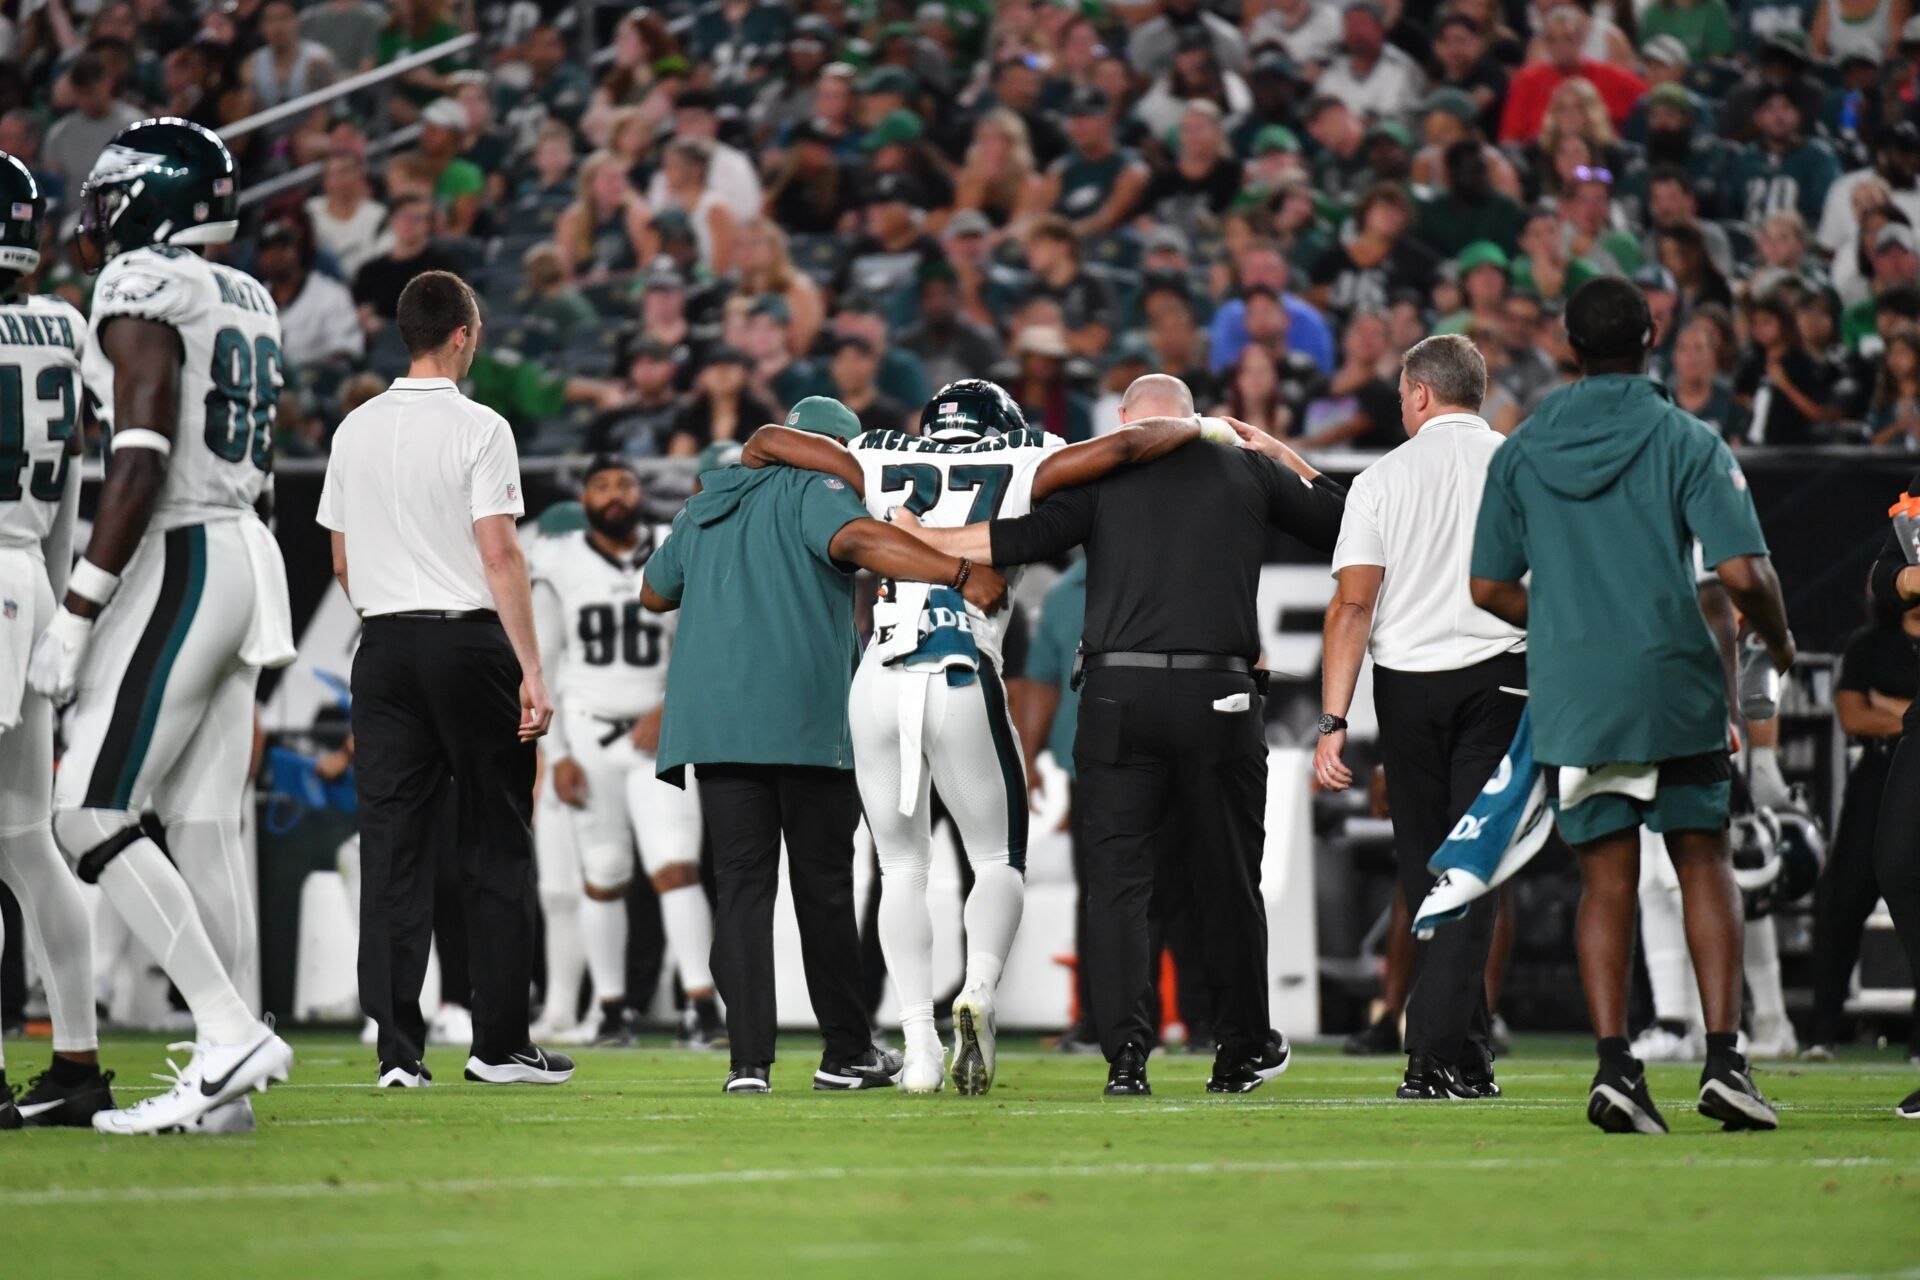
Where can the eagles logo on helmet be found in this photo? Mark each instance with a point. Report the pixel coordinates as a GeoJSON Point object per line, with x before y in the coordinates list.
{"type": "Point", "coordinates": [1777, 857]}
{"type": "Point", "coordinates": [159, 182]}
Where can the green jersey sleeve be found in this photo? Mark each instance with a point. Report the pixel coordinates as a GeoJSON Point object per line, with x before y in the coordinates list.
{"type": "Point", "coordinates": [827, 506]}
{"type": "Point", "coordinates": [1499, 535]}
{"type": "Point", "coordinates": [666, 570]}
{"type": "Point", "coordinates": [1717, 504]}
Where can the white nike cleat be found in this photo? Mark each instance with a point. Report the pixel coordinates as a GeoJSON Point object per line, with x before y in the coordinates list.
{"type": "Point", "coordinates": [974, 1052]}
{"type": "Point", "coordinates": [925, 1070]}
{"type": "Point", "coordinates": [214, 1076]}
{"type": "Point", "coordinates": [233, 1118]}
{"type": "Point", "coordinates": [1666, 1042]}
{"type": "Point", "coordinates": [1773, 1039]}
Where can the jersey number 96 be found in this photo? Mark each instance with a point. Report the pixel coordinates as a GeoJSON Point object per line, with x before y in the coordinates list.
{"type": "Point", "coordinates": [630, 635]}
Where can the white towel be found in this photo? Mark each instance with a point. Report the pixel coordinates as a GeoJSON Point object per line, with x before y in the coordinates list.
{"type": "Point", "coordinates": [1636, 781]}
{"type": "Point", "coordinates": [269, 641]}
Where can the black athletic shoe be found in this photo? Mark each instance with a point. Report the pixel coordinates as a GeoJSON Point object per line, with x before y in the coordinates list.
{"type": "Point", "coordinates": [1127, 1077]}
{"type": "Point", "coordinates": [1249, 1074]}
{"type": "Point", "coordinates": [9, 1114]}
{"type": "Point", "coordinates": [404, 1075]}
{"type": "Point", "coordinates": [48, 1103]}
{"type": "Point", "coordinates": [701, 1026]}
{"type": "Point", "coordinates": [1619, 1102]}
{"type": "Point", "coordinates": [615, 1028]}
{"type": "Point", "coordinates": [877, 1068]}
{"type": "Point", "coordinates": [1909, 1108]}
{"type": "Point", "coordinates": [1431, 1080]}
{"type": "Point", "coordinates": [748, 1080]}
{"type": "Point", "coordinates": [1381, 1040]}
{"type": "Point", "coordinates": [1477, 1075]}
{"type": "Point", "coordinates": [1727, 1094]}
{"type": "Point", "coordinates": [531, 1065]}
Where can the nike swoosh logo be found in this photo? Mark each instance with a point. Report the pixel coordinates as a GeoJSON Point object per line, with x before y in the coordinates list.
{"type": "Point", "coordinates": [32, 1109]}
{"type": "Point", "coordinates": [211, 1088]}
{"type": "Point", "coordinates": [537, 1062]}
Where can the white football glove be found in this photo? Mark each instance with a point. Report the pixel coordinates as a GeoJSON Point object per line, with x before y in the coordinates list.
{"type": "Point", "coordinates": [54, 669]}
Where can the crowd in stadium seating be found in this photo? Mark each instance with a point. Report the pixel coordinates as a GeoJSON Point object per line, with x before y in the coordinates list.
{"type": "Point", "coordinates": [685, 218]}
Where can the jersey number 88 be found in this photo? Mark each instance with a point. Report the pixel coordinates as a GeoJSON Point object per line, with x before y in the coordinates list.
{"type": "Point", "coordinates": [246, 392]}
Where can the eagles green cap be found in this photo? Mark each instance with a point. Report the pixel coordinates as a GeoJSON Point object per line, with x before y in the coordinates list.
{"type": "Point", "coordinates": [894, 127]}
{"type": "Point", "coordinates": [1481, 253]}
{"type": "Point", "coordinates": [1275, 137]}
{"type": "Point", "coordinates": [823, 415]}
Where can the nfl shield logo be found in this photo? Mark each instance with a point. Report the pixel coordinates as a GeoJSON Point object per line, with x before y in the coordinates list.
{"type": "Point", "coordinates": [831, 484]}
{"type": "Point", "coordinates": [511, 493]}
{"type": "Point", "coordinates": [11, 609]}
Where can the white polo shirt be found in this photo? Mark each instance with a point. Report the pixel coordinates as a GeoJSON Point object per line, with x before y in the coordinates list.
{"type": "Point", "coordinates": [1413, 513]}
{"type": "Point", "coordinates": [411, 470]}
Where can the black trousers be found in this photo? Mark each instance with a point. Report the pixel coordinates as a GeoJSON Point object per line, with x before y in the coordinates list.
{"type": "Point", "coordinates": [436, 706]}
{"type": "Point", "coordinates": [1896, 846]}
{"type": "Point", "coordinates": [1153, 750]}
{"type": "Point", "coordinates": [1846, 894]}
{"type": "Point", "coordinates": [748, 808]}
{"type": "Point", "coordinates": [1442, 734]}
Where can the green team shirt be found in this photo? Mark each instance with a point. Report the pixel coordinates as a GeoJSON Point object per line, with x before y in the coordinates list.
{"type": "Point", "coordinates": [1063, 615]}
{"type": "Point", "coordinates": [763, 659]}
{"type": "Point", "coordinates": [1706, 28]}
{"type": "Point", "coordinates": [1760, 182]}
{"type": "Point", "coordinates": [1601, 495]}
{"type": "Point", "coordinates": [459, 178]}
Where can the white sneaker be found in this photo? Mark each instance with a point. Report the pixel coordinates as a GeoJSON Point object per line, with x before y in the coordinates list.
{"type": "Point", "coordinates": [215, 1075]}
{"type": "Point", "coordinates": [531, 1065]}
{"type": "Point", "coordinates": [233, 1117]}
{"type": "Point", "coordinates": [925, 1070]}
{"type": "Point", "coordinates": [452, 1025]}
{"type": "Point", "coordinates": [1772, 1038]}
{"type": "Point", "coordinates": [403, 1078]}
{"type": "Point", "coordinates": [1660, 1044]}
{"type": "Point", "coordinates": [974, 1052]}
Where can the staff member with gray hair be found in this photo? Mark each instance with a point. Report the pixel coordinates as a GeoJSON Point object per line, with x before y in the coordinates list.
{"type": "Point", "coordinates": [1449, 682]}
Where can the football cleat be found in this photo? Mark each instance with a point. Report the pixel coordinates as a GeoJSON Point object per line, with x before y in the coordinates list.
{"type": "Point", "coordinates": [531, 1065]}
{"type": "Point", "coordinates": [214, 1076]}
{"type": "Point", "coordinates": [1127, 1076]}
{"type": "Point", "coordinates": [1670, 1041]}
{"type": "Point", "coordinates": [1619, 1102]}
{"type": "Point", "coordinates": [1431, 1080]}
{"type": "Point", "coordinates": [974, 1052]}
{"type": "Point", "coordinates": [748, 1080]}
{"type": "Point", "coordinates": [877, 1068]}
{"type": "Point", "coordinates": [1909, 1108]}
{"type": "Point", "coordinates": [925, 1070]}
{"type": "Point", "coordinates": [48, 1103]}
{"type": "Point", "coordinates": [1727, 1094]}
{"type": "Point", "coordinates": [701, 1026]}
{"type": "Point", "coordinates": [1477, 1075]}
{"type": "Point", "coordinates": [1250, 1073]}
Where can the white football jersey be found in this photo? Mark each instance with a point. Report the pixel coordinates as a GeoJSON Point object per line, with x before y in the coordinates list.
{"type": "Point", "coordinates": [230, 377]}
{"type": "Point", "coordinates": [951, 484]}
{"type": "Point", "coordinates": [40, 401]}
{"type": "Point", "coordinates": [614, 661]}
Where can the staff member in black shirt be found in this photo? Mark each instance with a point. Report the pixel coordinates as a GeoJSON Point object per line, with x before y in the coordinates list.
{"type": "Point", "coordinates": [1170, 720]}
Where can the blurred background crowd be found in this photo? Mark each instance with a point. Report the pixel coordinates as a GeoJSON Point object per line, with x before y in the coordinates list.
{"type": "Point", "coordinates": [685, 218]}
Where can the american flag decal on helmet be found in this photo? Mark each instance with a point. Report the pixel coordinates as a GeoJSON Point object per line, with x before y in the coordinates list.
{"type": "Point", "coordinates": [22, 212]}
{"type": "Point", "coordinates": [223, 186]}
{"type": "Point", "coordinates": [951, 406]}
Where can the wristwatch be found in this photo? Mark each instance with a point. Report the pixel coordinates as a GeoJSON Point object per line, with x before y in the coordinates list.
{"type": "Point", "coordinates": [1330, 723]}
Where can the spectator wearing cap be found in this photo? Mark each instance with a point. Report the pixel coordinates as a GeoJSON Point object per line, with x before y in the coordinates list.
{"type": "Point", "coordinates": [1664, 308]}
{"type": "Point", "coordinates": [1702, 28]}
{"type": "Point", "coordinates": [1782, 168]}
{"type": "Point", "coordinates": [1041, 387]}
{"type": "Point", "coordinates": [969, 243]}
{"type": "Point", "coordinates": [1779, 384]}
{"type": "Point", "coordinates": [349, 30]}
{"type": "Point", "coordinates": [812, 190]}
{"type": "Point", "coordinates": [347, 220]}
{"type": "Point", "coordinates": [1195, 76]}
{"type": "Point", "coordinates": [458, 183]}
{"type": "Point", "coordinates": [1055, 272]}
{"type": "Point", "coordinates": [1274, 86]}
{"type": "Point", "coordinates": [1482, 272]}
{"type": "Point", "coordinates": [1563, 40]}
{"type": "Point", "coordinates": [1447, 116]}
{"type": "Point", "coordinates": [1461, 61]}
{"type": "Point", "coordinates": [605, 229]}
{"type": "Point", "coordinates": [733, 38]}
{"type": "Point", "coordinates": [1896, 265]}
{"type": "Point", "coordinates": [722, 406]}
{"type": "Point", "coordinates": [1840, 29]}
{"type": "Point", "coordinates": [1781, 62]}
{"type": "Point", "coordinates": [949, 343]}
{"type": "Point", "coordinates": [1309, 32]}
{"type": "Point", "coordinates": [1373, 77]}
{"type": "Point", "coordinates": [1201, 179]}
{"type": "Point", "coordinates": [1666, 63]}
{"type": "Point", "coordinates": [852, 370]}
{"type": "Point", "coordinates": [1340, 166]}
{"type": "Point", "coordinates": [684, 184]}
{"type": "Point", "coordinates": [1097, 183]}
{"type": "Point", "coordinates": [885, 262]}
{"type": "Point", "coordinates": [779, 376]}
{"type": "Point", "coordinates": [1896, 164]}
{"type": "Point", "coordinates": [898, 144]}
{"type": "Point", "coordinates": [1697, 384]}
{"type": "Point", "coordinates": [637, 414]}
{"type": "Point", "coordinates": [1675, 135]}
{"type": "Point", "coordinates": [1166, 255]}
{"type": "Point", "coordinates": [998, 178]}
{"type": "Point", "coordinates": [1273, 154]}
{"type": "Point", "coordinates": [885, 90]}
{"type": "Point", "coordinates": [1259, 263]}
{"type": "Point", "coordinates": [1380, 260]}
{"type": "Point", "coordinates": [287, 66]}
{"type": "Point", "coordinates": [414, 249]}
{"type": "Point", "coordinates": [1154, 43]}
{"type": "Point", "coordinates": [1389, 151]}
{"type": "Point", "coordinates": [1468, 207]}
{"type": "Point", "coordinates": [902, 376]}
{"type": "Point", "coordinates": [317, 322]}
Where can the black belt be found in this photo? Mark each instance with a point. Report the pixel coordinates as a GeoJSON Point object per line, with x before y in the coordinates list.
{"type": "Point", "coordinates": [1171, 662]}
{"type": "Point", "coordinates": [443, 615]}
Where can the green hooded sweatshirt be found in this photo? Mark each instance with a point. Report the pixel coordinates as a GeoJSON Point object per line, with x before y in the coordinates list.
{"type": "Point", "coordinates": [1601, 495]}
{"type": "Point", "coordinates": [763, 659]}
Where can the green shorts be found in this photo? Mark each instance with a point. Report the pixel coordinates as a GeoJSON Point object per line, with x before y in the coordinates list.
{"type": "Point", "coordinates": [1692, 794]}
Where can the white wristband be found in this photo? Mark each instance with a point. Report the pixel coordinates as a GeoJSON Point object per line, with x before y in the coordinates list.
{"type": "Point", "coordinates": [1218, 431]}
{"type": "Point", "coordinates": [90, 582]}
{"type": "Point", "coordinates": [141, 438]}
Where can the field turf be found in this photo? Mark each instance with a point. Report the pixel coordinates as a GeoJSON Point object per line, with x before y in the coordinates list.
{"type": "Point", "coordinates": [641, 1167]}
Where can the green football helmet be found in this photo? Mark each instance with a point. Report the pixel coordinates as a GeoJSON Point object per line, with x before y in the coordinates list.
{"type": "Point", "coordinates": [24, 207]}
{"type": "Point", "coordinates": [165, 181]}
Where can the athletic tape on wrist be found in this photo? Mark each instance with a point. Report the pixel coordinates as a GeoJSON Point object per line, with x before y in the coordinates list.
{"type": "Point", "coordinates": [90, 582]}
{"type": "Point", "coordinates": [142, 438]}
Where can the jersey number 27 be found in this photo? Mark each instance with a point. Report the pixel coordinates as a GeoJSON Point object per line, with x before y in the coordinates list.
{"type": "Point", "coordinates": [922, 482]}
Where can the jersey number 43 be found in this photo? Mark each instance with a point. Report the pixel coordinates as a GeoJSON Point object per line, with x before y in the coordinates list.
{"type": "Point", "coordinates": [54, 389]}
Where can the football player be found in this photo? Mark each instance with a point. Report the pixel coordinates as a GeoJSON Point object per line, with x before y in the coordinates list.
{"type": "Point", "coordinates": [914, 729]}
{"type": "Point", "coordinates": [40, 402]}
{"type": "Point", "coordinates": [608, 659]}
{"type": "Point", "coordinates": [178, 603]}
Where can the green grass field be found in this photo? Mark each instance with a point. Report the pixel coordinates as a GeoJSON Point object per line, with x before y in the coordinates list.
{"type": "Point", "coordinates": [642, 1167]}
